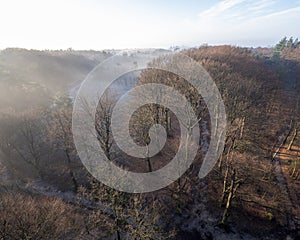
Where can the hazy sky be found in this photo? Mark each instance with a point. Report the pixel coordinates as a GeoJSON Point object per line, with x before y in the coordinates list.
{"type": "Point", "coordinates": [92, 24]}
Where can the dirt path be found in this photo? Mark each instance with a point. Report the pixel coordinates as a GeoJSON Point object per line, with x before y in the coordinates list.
{"type": "Point", "coordinates": [281, 159]}
{"type": "Point", "coordinates": [282, 183]}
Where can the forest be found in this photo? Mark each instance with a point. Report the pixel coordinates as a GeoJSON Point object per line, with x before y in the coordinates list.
{"type": "Point", "coordinates": [253, 192]}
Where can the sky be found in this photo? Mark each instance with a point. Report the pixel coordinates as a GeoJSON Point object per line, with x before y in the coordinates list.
{"type": "Point", "coordinates": [119, 24]}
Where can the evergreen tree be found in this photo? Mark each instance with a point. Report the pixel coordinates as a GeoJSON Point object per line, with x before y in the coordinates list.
{"type": "Point", "coordinates": [279, 47]}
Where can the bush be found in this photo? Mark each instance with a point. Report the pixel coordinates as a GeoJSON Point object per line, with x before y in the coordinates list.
{"type": "Point", "coordinates": [31, 217]}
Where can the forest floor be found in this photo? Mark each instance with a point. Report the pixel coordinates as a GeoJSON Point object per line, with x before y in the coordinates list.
{"type": "Point", "coordinates": [285, 162]}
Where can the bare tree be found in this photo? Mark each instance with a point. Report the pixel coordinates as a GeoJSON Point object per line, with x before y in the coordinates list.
{"type": "Point", "coordinates": [24, 137]}
{"type": "Point", "coordinates": [31, 217]}
{"type": "Point", "coordinates": [103, 122]}
{"type": "Point", "coordinates": [60, 129]}
{"type": "Point", "coordinates": [127, 216]}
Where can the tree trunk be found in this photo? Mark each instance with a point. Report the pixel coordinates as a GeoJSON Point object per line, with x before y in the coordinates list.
{"type": "Point", "coordinates": [118, 235]}
{"type": "Point", "coordinates": [149, 164]}
{"type": "Point", "coordinates": [71, 173]}
{"type": "Point", "coordinates": [232, 189]}
{"type": "Point", "coordinates": [168, 121]}
{"type": "Point", "coordinates": [224, 187]}
{"type": "Point", "coordinates": [295, 170]}
{"type": "Point", "coordinates": [242, 127]}
{"type": "Point", "coordinates": [220, 163]}
{"type": "Point", "coordinates": [297, 175]}
{"type": "Point", "coordinates": [148, 160]}
{"type": "Point", "coordinates": [107, 143]}
{"type": "Point", "coordinates": [157, 114]}
{"type": "Point", "coordinates": [293, 139]}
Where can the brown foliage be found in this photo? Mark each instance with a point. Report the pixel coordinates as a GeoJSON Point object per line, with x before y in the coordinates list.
{"type": "Point", "coordinates": [28, 217]}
